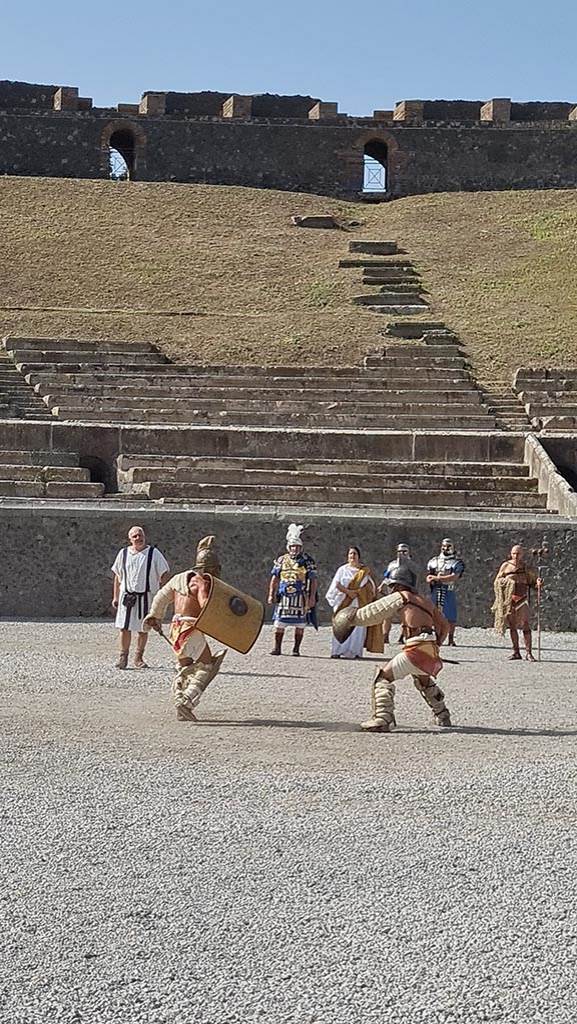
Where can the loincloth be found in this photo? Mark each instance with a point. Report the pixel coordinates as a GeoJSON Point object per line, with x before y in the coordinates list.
{"type": "Point", "coordinates": [187, 641]}
{"type": "Point", "coordinates": [419, 657]}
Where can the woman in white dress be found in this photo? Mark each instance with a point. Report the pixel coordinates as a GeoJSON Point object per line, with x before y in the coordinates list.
{"type": "Point", "coordinates": [353, 584]}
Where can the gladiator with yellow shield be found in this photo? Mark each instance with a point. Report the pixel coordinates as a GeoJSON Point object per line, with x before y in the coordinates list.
{"type": "Point", "coordinates": [203, 606]}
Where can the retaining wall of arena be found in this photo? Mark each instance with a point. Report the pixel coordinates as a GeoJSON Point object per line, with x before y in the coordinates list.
{"type": "Point", "coordinates": [55, 560]}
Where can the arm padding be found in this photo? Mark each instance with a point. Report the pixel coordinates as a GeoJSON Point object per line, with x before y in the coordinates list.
{"type": "Point", "coordinates": [382, 610]}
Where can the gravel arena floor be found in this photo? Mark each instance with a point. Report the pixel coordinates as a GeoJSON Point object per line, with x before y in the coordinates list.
{"type": "Point", "coordinates": [274, 864]}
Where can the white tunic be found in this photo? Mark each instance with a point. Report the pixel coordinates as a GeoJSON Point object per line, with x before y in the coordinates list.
{"type": "Point", "coordinates": [135, 582]}
{"type": "Point", "coordinates": [354, 644]}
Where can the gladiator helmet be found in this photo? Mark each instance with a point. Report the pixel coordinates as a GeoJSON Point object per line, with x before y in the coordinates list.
{"type": "Point", "coordinates": [401, 576]}
{"type": "Point", "coordinates": [207, 557]}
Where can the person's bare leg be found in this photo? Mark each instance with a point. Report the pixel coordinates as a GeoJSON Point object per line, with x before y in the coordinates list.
{"type": "Point", "coordinates": [451, 635]}
{"type": "Point", "coordinates": [278, 639]}
{"type": "Point", "coordinates": [514, 634]}
{"type": "Point", "coordinates": [299, 633]}
{"type": "Point", "coordinates": [528, 641]}
{"type": "Point", "coordinates": [141, 642]}
{"type": "Point", "coordinates": [124, 648]}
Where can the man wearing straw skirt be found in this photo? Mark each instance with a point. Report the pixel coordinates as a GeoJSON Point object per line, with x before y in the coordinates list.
{"type": "Point", "coordinates": [513, 584]}
{"type": "Point", "coordinates": [424, 629]}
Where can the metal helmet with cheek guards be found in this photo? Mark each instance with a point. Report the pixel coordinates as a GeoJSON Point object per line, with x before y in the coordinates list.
{"type": "Point", "coordinates": [402, 576]}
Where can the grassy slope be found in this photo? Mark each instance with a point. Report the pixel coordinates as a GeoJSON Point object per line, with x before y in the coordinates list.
{"type": "Point", "coordinates": [498, 266]}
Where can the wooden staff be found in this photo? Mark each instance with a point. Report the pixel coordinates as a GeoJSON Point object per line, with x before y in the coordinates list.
{"type": "Point", "coordinates": [540, 554]}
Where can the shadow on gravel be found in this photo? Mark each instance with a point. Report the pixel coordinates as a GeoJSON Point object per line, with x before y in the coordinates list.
{"type": "Point", "coordinates": [260, 675]}
{"type": "Point", "coordinates": [468, 730]}
{"type": "Point", "coordinates": [478, 730]}
{"type": "Point", "coordinates": [280, 723]}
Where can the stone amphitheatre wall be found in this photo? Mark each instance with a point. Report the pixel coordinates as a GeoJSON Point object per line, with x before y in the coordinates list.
{"type": "Point", "coordinates": [295, 143]}
{"type": "Point", "coordinates": [67, 552]}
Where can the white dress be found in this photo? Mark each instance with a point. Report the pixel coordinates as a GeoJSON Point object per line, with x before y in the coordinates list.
{"type": "Point", "coordinates": [134, 581]}
{"type": "Point", "coordinates": [354, 645]}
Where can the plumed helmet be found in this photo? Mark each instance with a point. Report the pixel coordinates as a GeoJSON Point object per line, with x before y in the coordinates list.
{"type": "Point", "coordinates": [207, 557]}
{"type": "Point", "coordinates": [294, 535]}
{"type": "Point", "coordinates": [402, 576]}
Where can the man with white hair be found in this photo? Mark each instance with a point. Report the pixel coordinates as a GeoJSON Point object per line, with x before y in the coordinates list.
{"type": "Point", "coordinates": [139, 570]}
{"type": "Point", "coordinates": [292, 590]}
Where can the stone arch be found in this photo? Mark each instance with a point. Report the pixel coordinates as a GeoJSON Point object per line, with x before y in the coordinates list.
{"type": "Point", "coordinates": [129, 141]}
{"type": "Point", "coordinates": [382, 148]}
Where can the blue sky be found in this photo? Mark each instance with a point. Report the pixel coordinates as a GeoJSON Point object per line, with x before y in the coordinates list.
{"type": "Point", "coordinates": [363, 56]}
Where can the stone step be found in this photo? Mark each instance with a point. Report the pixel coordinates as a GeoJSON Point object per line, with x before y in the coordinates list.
{"type": "Point", "coordinates": [204, 372]}
{"type": "Point", "coordinates": [346, 496]}
{"type": "Point", "coordinates": [232, 397]}
{"type": "Point", "coordinates": [373, 247]}
{"type": "Point", "coordinates": [190, 463]}
{"type": "Point", "coordinates": [564, 397]}
{"type": "Point", "coordinates": [392, 270]}
{"type": "Point", "coordinates": [140, 478]}
{"type": "Point", "coordinates": [535, 378]}
{"type": "Point", "coordinates": [401, 310]}
{"type": "Point", "coordinates": [397, 378]}
{"type": "Point", "coordinates": [403, 288]}
{"type": "Point", "coordinates": [389, 298]}
{"type": "Point", "coordinates": [38, 458]}
{"type": "Point", "coordinates": [384, 407]}
{"type": "Point", "coordinates": [54, 355]}
{"type": "Point", "coordinates": [12, 342]}
{"type": "Point", "coordinates": [71, 474]}
{"type": "Point", "coordinates": [540, 409]}
{"type": "Point", "coordinates": [400, 329]}
{"type": "Point", "coordinates": [392, 277]}
{"type": "Point", "coordinates": [351, 263]}
{"type": "Point", "coordinates": [49, 489]}
{"type": "Point", "coordinates": [334, 421]}
{"type": "Point", "coordinates": [26, 368]}
{"type": "Point", "coordinates": [417, 349]}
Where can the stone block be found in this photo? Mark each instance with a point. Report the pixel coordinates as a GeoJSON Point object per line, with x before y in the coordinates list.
{"type": "Point", "coordinates": [497, 111]}
{"type": "Point", "coordinates": [128, 108]}
{"type": "Point", "coordinates": [374, 247]}
{"type": "Point", "coordinates": [573, 114]}
{"type": "Point", "coordinates": [66, 98]}
{"type": "Point", "coordinates": [237, 106]}
{"type": "Point", "coordinates": [383, 115]}
{"type": "Point", "coordinates": [409, 111]}
{"type": "Point", "coordinates": [153, 104]}
{"type": "Point", "coordinates": [85, 103]}
{"type": "Point", "coordinates": [323, 111]}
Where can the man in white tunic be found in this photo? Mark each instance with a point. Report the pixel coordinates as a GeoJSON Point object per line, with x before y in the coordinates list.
{"type": "Point", "coordinates": [139, 570]}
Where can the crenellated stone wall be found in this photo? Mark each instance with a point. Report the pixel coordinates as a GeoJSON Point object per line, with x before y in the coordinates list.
{"type": "Point", "coordinates": [296, 143]}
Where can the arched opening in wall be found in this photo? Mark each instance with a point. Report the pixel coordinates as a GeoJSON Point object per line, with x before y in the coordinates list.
{"type": "Point", "coordinates": [121, 154]}
{"type": "Point", "coordinates": [375, 167]}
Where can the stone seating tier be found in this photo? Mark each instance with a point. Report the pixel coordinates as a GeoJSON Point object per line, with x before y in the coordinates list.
{"type": "Point", "coordinates": [43, 474]}
{"type": "Point", "coordinates": [502, 485]}
{"type": "Point", "coordinates": [133, 383]}
{"type": "Point", "coordinates": [549, 396]}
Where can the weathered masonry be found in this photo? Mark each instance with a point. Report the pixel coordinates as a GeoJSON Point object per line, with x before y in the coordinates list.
{"type": "Point", "coordinates": [298, 143]}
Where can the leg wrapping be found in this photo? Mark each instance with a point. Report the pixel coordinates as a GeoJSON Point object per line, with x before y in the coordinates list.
{"type": "Point", "coordinates": [383, 705]}
{"type": "Point", "coordinates": [192, 680]}
{"type": "Point", "coordinates": [434, 697]}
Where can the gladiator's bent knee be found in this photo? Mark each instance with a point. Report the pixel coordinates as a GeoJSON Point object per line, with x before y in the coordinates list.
{"type": "Point", "coordinates": [383, 700]}
{"type": "Point", "coordinates": [192, 680]}
{"type": "Point", "coordinates": [435, 698]}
